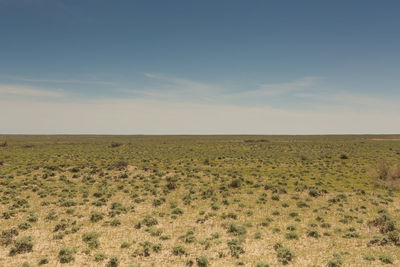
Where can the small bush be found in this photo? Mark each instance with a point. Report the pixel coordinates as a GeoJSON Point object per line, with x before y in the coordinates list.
{"type": "Point", "coordinates": [386, 258]}
{"type": "Point", "coordinates": [235, 246]}
{"type": "Point", "coordinates": [91, 239]}
{"type": "Point", "coordinates": [178, 250]}
{"type": "Point", "coordinates": [284, 255]}
{"type": "Point", "coordinates": [115, 222]}
{"type": "Point", "coordinates": [99, 257]}
{"type": "Point", "coordinates": [313, 233]}
{"type": "Point", "coordinates": [149, 221]}
{"type": "Point", "coordinates": [336, 261]}
{"type": "Point", "coordinates": [369, 258]}
{"type": "Point", "coordinates": [125, 245]}
{"type": "Point", "coordinates": [120, 165]}
{"type": "Point", "coordinates": [202, 261]}
{"type": "Point", "coordinates": [113, 262]}
{"type": "Point", "coordinates": [115, 144]}
{"type": "Point", "coordinates": [384, 223]}
{"type": "Point", "coordinates": [22, 245]}
{"type": "Point", "coordinates": [32, 217]}
{"type": "Point", "coordinates": [236, 229]}
{"type": "Point", "coordinates": [43, 261]}
{"type": "Point", "coordinates": [7, 236]}
{"type": "Point", "coordinates": [235, 183]}
{"type": "Point", "coordinates": [66, 255]}
{"type": "Point", "coordinates": [24, 226]}
{"type": "Point", "coordinates": [291, 235]}
{"type": "Point", "coordinates": [96, 216]}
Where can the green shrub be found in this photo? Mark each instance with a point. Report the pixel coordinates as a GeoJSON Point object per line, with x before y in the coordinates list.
{"type": "Point", "coordinates": [99, 257]}
{"type": "Point", "coordinates": [369, 258]}
{"type": "Point", "coordinates": [384, 223]}
{"type": "Point", "coordinates": [284, 255]}
{"type": "Point", "coordinates": [7, 236]}
{"type": "Point", "coordinates": [291, 235]}
{"type": "Point", "coordinates": [91, 239]}
{"type": "Point", "coordinates": [177, 211]}
{"type": "Point", "coordinates": [236, 229]}
{"type": "Point", "coordinates": [235, 183]}
{"type": "Point", "coordinates": [313, 233]}
{"type": "Point", "coordinates": [149, 221]}
{"type": "Point", "coordinates": [179, 250]}
{"type": "Point", "coordinates": [202, 261]}
{"type": "Point", "coordinates": [115, 222]}
{"type": "Point", "coordinates": [386, 258]}
{"type": "Point", "coordinates": [43, 261]}
{"type": "Point", "coordinates": [236, 248]}
{"type": "Point", "coordinates": [336, 261]}
{"type": "Point", "coordinates": [66, 255]}
{"type": "Point", "coordinates": [96, 216]}
{"type": "Point", "coordinates": [262, 264]}
{"type": "Point", "coordinates": [22, 245]}
{"type": "Point", "coordinates": [24, 226]}
{"type": "Point", "coordinates": [113, 262]}
{"type": "Point", "coordinates": [125, 245]}
{"type": "Point", "coordinates": [32, 217]}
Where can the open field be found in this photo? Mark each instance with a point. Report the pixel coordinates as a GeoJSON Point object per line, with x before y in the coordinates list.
{"type": "Point", "coordinates": [199, 200]}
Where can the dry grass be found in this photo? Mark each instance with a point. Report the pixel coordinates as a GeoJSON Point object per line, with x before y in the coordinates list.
{"type": "Point", "coordinates": [221, 201]}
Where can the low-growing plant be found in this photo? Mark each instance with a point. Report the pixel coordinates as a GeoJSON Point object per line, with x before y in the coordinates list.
{"type": "Point", "coordinates": [99, 257]}
{"type": "Point", "coordinates": [66, 255]}
{"type": "Point", "coordinates": [262, 264]}
{"type": "Point", "coordinates": [236, 229]}
{"type": "Point", "coordinates": [336, 260]}
{"type": "Point", "coordinates": [22, 245]}
{"type": "Point", "coordinates": [179, 250]}
{"type": "Point", "coordinates": [236, 248]}
{"type": "Point", "coordinates": [284, 254]}
{"type": "Point", "coordinates": [386, 258]}
{"type": "Point", "coordinates": [91, 239]}
{"type": "Point", "coordinates": [113, 262]}
{"type": "Point", "coordinates": [96, 216]}
{"type": "Point", "coordinates": [202, 261]}
{"type": "Point", "coordinates": [43, 261]}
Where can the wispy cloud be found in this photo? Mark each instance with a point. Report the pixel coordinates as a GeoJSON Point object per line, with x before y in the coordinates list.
{"type": "Point", "coordinates": [309, 90]}
{"type": "Point", "coordinates": [61, 81]}
{"type": "Point", "coordinates": [340, 98]}
{"type": "Point", "coordinates": [27, 91]}
{"type": "Point", "coordinates": [274, 89]}
{"type": "Point", "coordinates": [185, 84]}
{"type": "Point", "coordinates": [181, 106]}
{"type": "Point", "coordinates": [179, 87]}
{"type": "Point", "coordinates": [173, 88]}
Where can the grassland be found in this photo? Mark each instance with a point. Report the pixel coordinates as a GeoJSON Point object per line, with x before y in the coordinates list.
{"type": "Point", "coordinates": [199, 201]}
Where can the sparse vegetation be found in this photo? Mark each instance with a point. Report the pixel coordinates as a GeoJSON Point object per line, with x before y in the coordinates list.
{"type": "Point", "coordinates": [22, 245]}
{"type": "Point", "coordinates": [199, 201]}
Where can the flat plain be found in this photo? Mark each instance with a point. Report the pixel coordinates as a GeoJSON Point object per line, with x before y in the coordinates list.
{"type": "Point", "coordinates": [200, 200]}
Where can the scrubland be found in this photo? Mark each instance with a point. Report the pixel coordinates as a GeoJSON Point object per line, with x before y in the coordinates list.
{"type": "Point", "coordinates": [199, 200]}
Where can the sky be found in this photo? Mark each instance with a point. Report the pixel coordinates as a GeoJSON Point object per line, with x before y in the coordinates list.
{"type": "Point", "coordinates": [199, 67]}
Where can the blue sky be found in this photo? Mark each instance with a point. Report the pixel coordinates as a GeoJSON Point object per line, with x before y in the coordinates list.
{"type": "Point", "coordinates": [206, 67]}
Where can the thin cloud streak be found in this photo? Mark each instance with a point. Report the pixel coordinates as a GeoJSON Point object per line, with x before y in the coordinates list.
{"type": "Point", "coordinates": [306, 89]}
{"type": "Point", "coordinates": [67, 81]}
{"type": "Point", "coordinates": [27, 91]}
{"type": "Point", "coordinates": [275, 89]}
{"type": "Point", "coordinates": [185, 85]}
{"type": "Point", "coordinates": [178, 106]}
